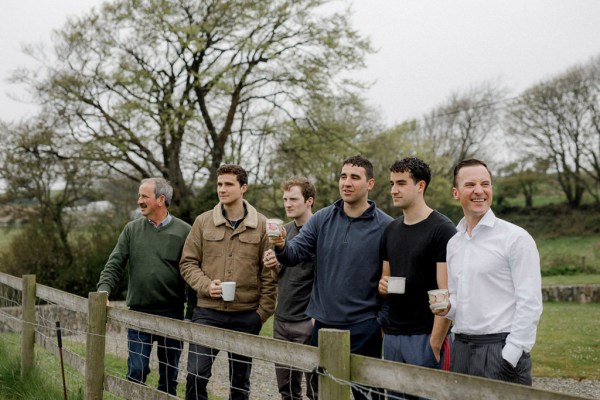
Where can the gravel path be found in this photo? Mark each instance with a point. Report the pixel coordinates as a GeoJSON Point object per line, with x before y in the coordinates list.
{"type": "Point", "coordinates": [263, 384]}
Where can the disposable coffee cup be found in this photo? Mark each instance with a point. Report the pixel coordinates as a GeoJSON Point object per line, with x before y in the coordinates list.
{"type": "Point", "coordinates": [228, 291]}
{"type": "Point", "coordinates": [438, 298]}
{"type": "Point", "coordinates": [274, 227]}
{"type": "Point", "coordinates": [396, 284]}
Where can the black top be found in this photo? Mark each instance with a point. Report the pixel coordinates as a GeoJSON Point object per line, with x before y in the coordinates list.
{"type": "Point", "coordinates": [413, 252]}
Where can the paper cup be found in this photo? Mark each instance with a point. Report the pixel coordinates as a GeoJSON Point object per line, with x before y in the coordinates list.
{"type": "Point", "coordinates": [274, 227]}
{"type": "Point", "coordinates": [438, 298]}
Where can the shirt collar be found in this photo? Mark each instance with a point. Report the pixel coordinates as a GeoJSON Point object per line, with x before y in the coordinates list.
{"type": "Point", "coordinates": [164, 222]}
{"type": "Point", "coordinates": [489, 219]}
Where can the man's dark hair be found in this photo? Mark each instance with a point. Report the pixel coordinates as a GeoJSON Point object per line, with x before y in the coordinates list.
{"type": "Point", "coordinates": [417, 169]}
{"type": "Point", "coordinates": [306, 186]}
{"type": "Point", "coordinates": [471, 162]}
{"type": "Point", "coordinates": [239, 172]}
{"type": "Point", "coordinates": [360, 161]}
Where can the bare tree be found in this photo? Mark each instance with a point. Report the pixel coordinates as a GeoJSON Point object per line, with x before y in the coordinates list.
{"type": "Point", "coordinates": [463, 126]}
{"type": "Point", "coordinates": [558, 120]}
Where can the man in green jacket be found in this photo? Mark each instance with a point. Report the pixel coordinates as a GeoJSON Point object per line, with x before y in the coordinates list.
{"type": "Point", "coordinates": [152, 246]}
{"type": "Point", "coordinates": [226, 244]}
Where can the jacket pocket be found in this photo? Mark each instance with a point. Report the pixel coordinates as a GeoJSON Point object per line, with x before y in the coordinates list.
{"type": "Point", "coordinates": [213, 243]}
{"type": "Point", "coordinates": [249, 245]}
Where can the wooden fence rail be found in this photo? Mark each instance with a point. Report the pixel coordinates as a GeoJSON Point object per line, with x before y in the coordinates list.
{"type": "Point", "coordinates": [332, 356]}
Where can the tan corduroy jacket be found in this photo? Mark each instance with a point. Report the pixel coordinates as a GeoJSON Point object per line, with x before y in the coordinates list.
{"type": "Point", "coordinates": [214, 250]}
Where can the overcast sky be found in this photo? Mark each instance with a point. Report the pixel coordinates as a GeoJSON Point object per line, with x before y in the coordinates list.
{"type": "Point", "coordinates": [426, 48]}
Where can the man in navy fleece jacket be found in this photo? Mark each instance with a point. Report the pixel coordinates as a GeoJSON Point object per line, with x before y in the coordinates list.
{"type": "Point", "coordinates": [345, 239]}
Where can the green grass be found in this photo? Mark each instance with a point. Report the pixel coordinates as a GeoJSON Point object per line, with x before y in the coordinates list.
{"type": "Point", "coordinates": [578, 279]}
{"type": "Point", "coordinates": [38, 386]}
{"type": "Point", "coordinates": [267, 328]}
{"type": "Point", "coordinates": [568, 341]}
{"type": "Point", "coordinates": [6, 236]}
{"type": "Point", "coordinates": [570, 255]}
{"type": "Point", "coordinates": [43, 383]}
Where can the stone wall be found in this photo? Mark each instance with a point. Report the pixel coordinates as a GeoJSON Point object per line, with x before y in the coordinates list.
{"type": "Point", "coordinates": [578, 293]}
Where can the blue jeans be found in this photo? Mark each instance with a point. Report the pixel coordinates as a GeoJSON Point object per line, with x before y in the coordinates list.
{"type": "Point", "coordinates": [168, 352]}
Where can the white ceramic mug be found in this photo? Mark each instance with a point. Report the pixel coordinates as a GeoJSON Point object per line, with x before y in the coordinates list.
{"type": "Point", "coordinates": [228, 291]}
{"type": "Point", "coordinates": [396, 284]}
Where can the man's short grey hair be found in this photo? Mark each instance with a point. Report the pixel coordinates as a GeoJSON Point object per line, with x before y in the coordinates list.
{"type": "Point", "coordinates": [162, 187]}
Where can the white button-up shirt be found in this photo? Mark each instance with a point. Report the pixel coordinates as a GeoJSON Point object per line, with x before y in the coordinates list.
{"type": "Point", "coordinates": [495, 283]}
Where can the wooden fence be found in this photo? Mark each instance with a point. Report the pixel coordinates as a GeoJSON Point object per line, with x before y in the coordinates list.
{"type": "Point", "coordinates": [339, 368]}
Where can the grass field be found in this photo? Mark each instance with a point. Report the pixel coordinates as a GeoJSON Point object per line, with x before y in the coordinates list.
{"type": "Point", "coordinates": [578, 279]}
{"type": "Point", "coordinates": [568, 341]}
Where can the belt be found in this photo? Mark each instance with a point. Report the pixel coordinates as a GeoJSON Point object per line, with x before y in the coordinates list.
{"type": "Point", "coordinates": [481, 339]}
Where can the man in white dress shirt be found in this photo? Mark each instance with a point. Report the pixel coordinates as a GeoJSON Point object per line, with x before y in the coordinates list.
{"type": "Point", "coordinates": [494, 282]}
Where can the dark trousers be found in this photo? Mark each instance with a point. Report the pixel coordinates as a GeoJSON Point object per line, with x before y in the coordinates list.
{"type": "Point", "coordinates": [481, 355]}
{"type": "Point", "coordinates": [289, 381]}
{"type": "Point", "coordinates": [414, 350]}
{"type": "Point", "coordinates": [201, 358]}
{"type": "Point", "coordinates": [168, 352]}
{"type": "Point", "coordinates": [365, 340]}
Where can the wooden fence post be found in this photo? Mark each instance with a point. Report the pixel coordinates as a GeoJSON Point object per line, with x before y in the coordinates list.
{"type": "Point", "coordinates": [334, 357]}
{"type": "Point", "coordinates": [95, 346]}
{"type": "Point", "coordinates": [28, 324]}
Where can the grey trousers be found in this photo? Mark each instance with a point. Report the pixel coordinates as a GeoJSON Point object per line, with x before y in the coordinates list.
{"type": "Point", "coordinates": [289, 380]}
{"type": "Point", "coordinates": [481, 355]}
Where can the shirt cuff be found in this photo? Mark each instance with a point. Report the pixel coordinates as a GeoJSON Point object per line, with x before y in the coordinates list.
{"type": "Point", "coordinates": [103, 288]}
{"type": "Point", "coordinates": [511, 353]}
{"type": "Point", "coordinates": [451, 312]}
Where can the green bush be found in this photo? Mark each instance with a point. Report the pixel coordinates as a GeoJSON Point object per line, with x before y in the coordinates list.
{"type": "Point", "coordinates": [74, 268]}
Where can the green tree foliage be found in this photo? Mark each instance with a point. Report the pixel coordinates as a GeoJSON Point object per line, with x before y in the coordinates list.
{"type": "Point", "coordinates": [383, 149]}
{"type": "Point", "coordinates": [176, 88]}
{"type": "Point", "coordinates": [38, 167]}
{"type": "Point", "coordinates": [41, 170]}
{"type": "Point", "coordinates": [402, 141]}
{"type": "Point", "coordinates": [335, 129]}
{"type": "Point", "coordinates": [524, 177]}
